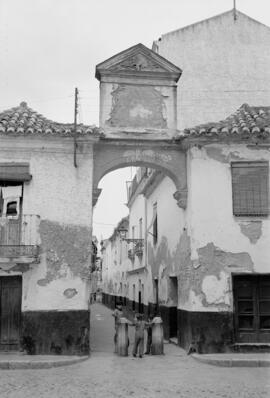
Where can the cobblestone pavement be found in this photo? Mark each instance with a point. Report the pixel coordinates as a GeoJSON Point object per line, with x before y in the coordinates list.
{"type": "Point", "coordinates": [105, 375]}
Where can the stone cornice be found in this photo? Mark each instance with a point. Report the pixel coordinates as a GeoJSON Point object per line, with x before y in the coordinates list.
{"type": "Point", "coordinates": [139, 78]}
{"type": "Point", "coordinates": [39, 144]}
{"type": "Point", "coordinates": [138, 62]}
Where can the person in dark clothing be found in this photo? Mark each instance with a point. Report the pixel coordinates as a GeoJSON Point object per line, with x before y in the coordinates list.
{"type": "Point", "coordinates": [117, 314]}
{"type": "Point", "coordinates": [149, 335]}
{"type": "Point", "coordinates": [140, 326]}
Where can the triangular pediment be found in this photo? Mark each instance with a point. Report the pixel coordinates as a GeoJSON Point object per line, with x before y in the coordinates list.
{"type": "Point", "coordinates": [138, 60]}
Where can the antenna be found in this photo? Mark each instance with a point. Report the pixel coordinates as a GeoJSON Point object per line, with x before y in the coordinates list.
{"type": "Point", "coordinates": [75, 127]}
{"type": "Point", "coordinates": [234, 10]}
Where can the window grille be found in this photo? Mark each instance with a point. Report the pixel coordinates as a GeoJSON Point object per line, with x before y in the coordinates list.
{"type": "Point", "coordinates": [250, 188]}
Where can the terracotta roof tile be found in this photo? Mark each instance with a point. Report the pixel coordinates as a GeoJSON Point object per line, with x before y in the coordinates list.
{"type": "Point", "coordinates": [23, 121]}
{"type": "Point", "coordinates": [246, 122]}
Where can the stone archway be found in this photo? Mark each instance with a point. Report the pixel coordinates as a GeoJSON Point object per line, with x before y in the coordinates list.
{"type": "Point", "coordinates": [168, 157]}
{"type": "Point", "coordinates": [138, 118]}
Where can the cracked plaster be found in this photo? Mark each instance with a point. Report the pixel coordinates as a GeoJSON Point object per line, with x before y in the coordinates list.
{"type": "Point", "coordinates": [137, 106]}
{"type": "Point", "coordinates": [66, 249]}
{"type": "Point", "coordinates": [70, 293]}
{"type": "Point", "coordinates": [252, 230]}
{"type": "Point", "coordinates": [208, 277]}
{"type": "Point", "coordinates": [217, 153]}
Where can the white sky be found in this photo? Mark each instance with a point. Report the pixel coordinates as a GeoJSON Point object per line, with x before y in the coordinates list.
{"type": "Point", "coordinates": [49, 47]}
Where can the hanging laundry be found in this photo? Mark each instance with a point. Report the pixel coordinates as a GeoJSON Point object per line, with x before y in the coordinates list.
{"type": "Point", "coordinates": [12, 191]}
{"type": "Point", "coordinates": [11, 196]}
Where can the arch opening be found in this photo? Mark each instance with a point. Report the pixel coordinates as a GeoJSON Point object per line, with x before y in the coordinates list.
{"type": "Point", "coordinates": [168, 160]}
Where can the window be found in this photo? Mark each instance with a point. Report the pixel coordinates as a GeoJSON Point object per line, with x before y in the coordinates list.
{"type": "Point", "coordinates": [12, 209]}
{"type": "Point", "coordinates": [252, 307]}
{"type": "Point", "coordinates": [250, 188]}
{"type": "Point", "coordinates": [155, 225]}
{"type": "Point", "coordinates": [133, 302]}
{"type": "Point", "coordinates": [11, 193]}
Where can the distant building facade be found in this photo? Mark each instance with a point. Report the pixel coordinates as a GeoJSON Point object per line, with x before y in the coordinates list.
{"type": "Point", "coordinates": [114, 264]}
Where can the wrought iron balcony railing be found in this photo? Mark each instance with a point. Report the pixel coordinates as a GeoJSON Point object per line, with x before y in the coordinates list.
{"type": "Point", "coordinates": [12, 251]}
{"type": "Point", "coordinates": [138, 248]}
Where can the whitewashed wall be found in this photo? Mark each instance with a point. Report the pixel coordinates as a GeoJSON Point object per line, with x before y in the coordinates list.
{"type": "Point", "coordinates": [225, 63]}
{"type": "Point", "coordinates": [62, 196]}
{"type": "Point", "coordinates": [163, 259]}
{"type": "Point", "coordinates": [214, 229]}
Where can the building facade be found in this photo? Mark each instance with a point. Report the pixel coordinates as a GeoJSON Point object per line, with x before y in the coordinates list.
{"type": "Point", "coordinates": [114, 264]}
{"type": "Point", "coordinates": [46, 250]}
{"type": "Point", "coordinates": [196, 249]}
{"type": "Point", "coordinates": [225, 62]}
{"type": "Point", "coordinates": [206, 269]}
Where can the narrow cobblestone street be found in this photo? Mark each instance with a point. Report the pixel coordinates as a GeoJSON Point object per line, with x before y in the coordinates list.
{"type": "Point", "coordinates": [105, 375]}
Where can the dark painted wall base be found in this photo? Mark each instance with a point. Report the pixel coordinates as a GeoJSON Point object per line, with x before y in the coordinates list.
{"type": "Point", "coordinates": [56, 332]}
{"type": "Point", "coordinates": [206, 332]}
{"type": "Point", "coordinates": [169, 318]}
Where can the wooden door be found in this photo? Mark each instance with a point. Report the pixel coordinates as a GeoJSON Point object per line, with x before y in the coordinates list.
{"type": "Point", "coordinates": [10, 312]}
{"type": "Point", "coordinates": [252, 308]}
{"type": "Point", "coordinates": [10, 232]}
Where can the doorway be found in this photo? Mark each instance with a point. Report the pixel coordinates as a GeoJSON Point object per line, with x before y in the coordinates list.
{"type": "Point", "coordinates": [173, 294]}
{"type": "Point", "coordinates": [156, 295]}
{"type": "Point", "coordinates": [252, 308]}
{"type": "Point", "coordinates": [140, 307]}
{"type": "Point", "coordinates": [10, 312]}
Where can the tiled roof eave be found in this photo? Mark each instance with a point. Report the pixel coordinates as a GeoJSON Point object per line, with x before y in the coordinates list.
{"type": "Point", "coordinates": [247, 123]}
{"type": "Point", "coordinates": [22, 121]}
{"type": "Point", "coordinates": [203, 140]}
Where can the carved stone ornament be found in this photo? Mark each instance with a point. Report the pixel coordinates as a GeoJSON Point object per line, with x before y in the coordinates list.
{"type": "Point", "coordinates": [138, 62]}
{"type": "Point", "coordinates": [181, 197]}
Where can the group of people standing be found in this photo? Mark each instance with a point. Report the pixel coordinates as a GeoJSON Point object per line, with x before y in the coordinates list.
{"type": "Point", "coordinates": [140, 326]}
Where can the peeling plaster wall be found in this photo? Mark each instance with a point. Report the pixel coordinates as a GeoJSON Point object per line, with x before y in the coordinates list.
{"type": "Point", "coordinates": [220, 244]}
{"type": "Point", "coordinates": [62, 196]}
{"type": "Point", "coordinates": [140, 106]}
{"type": "Point", "coordinates": [225, 63]}
{"type": "Point", "coordinates": [165, 258]}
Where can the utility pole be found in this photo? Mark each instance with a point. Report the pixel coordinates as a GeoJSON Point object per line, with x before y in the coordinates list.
{"type": "Point", "coordinates": [75, 127]}
{"type": "Point", "coordinates": [234, 10]}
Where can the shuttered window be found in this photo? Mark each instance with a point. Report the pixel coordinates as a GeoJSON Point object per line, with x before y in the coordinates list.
{"type": "Point", "coordinates": [250, 188]}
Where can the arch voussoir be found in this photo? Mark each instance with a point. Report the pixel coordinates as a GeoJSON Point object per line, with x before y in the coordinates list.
{"type": "Point", "coordinates": [169, 159]}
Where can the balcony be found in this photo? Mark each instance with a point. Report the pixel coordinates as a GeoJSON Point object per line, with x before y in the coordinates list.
{"type": "Point", "coordinates": [19, 240]}
{"type": "Point", "coordinates": [131, 255]}
{"type": "Point", "coordinates": [138, 248]}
